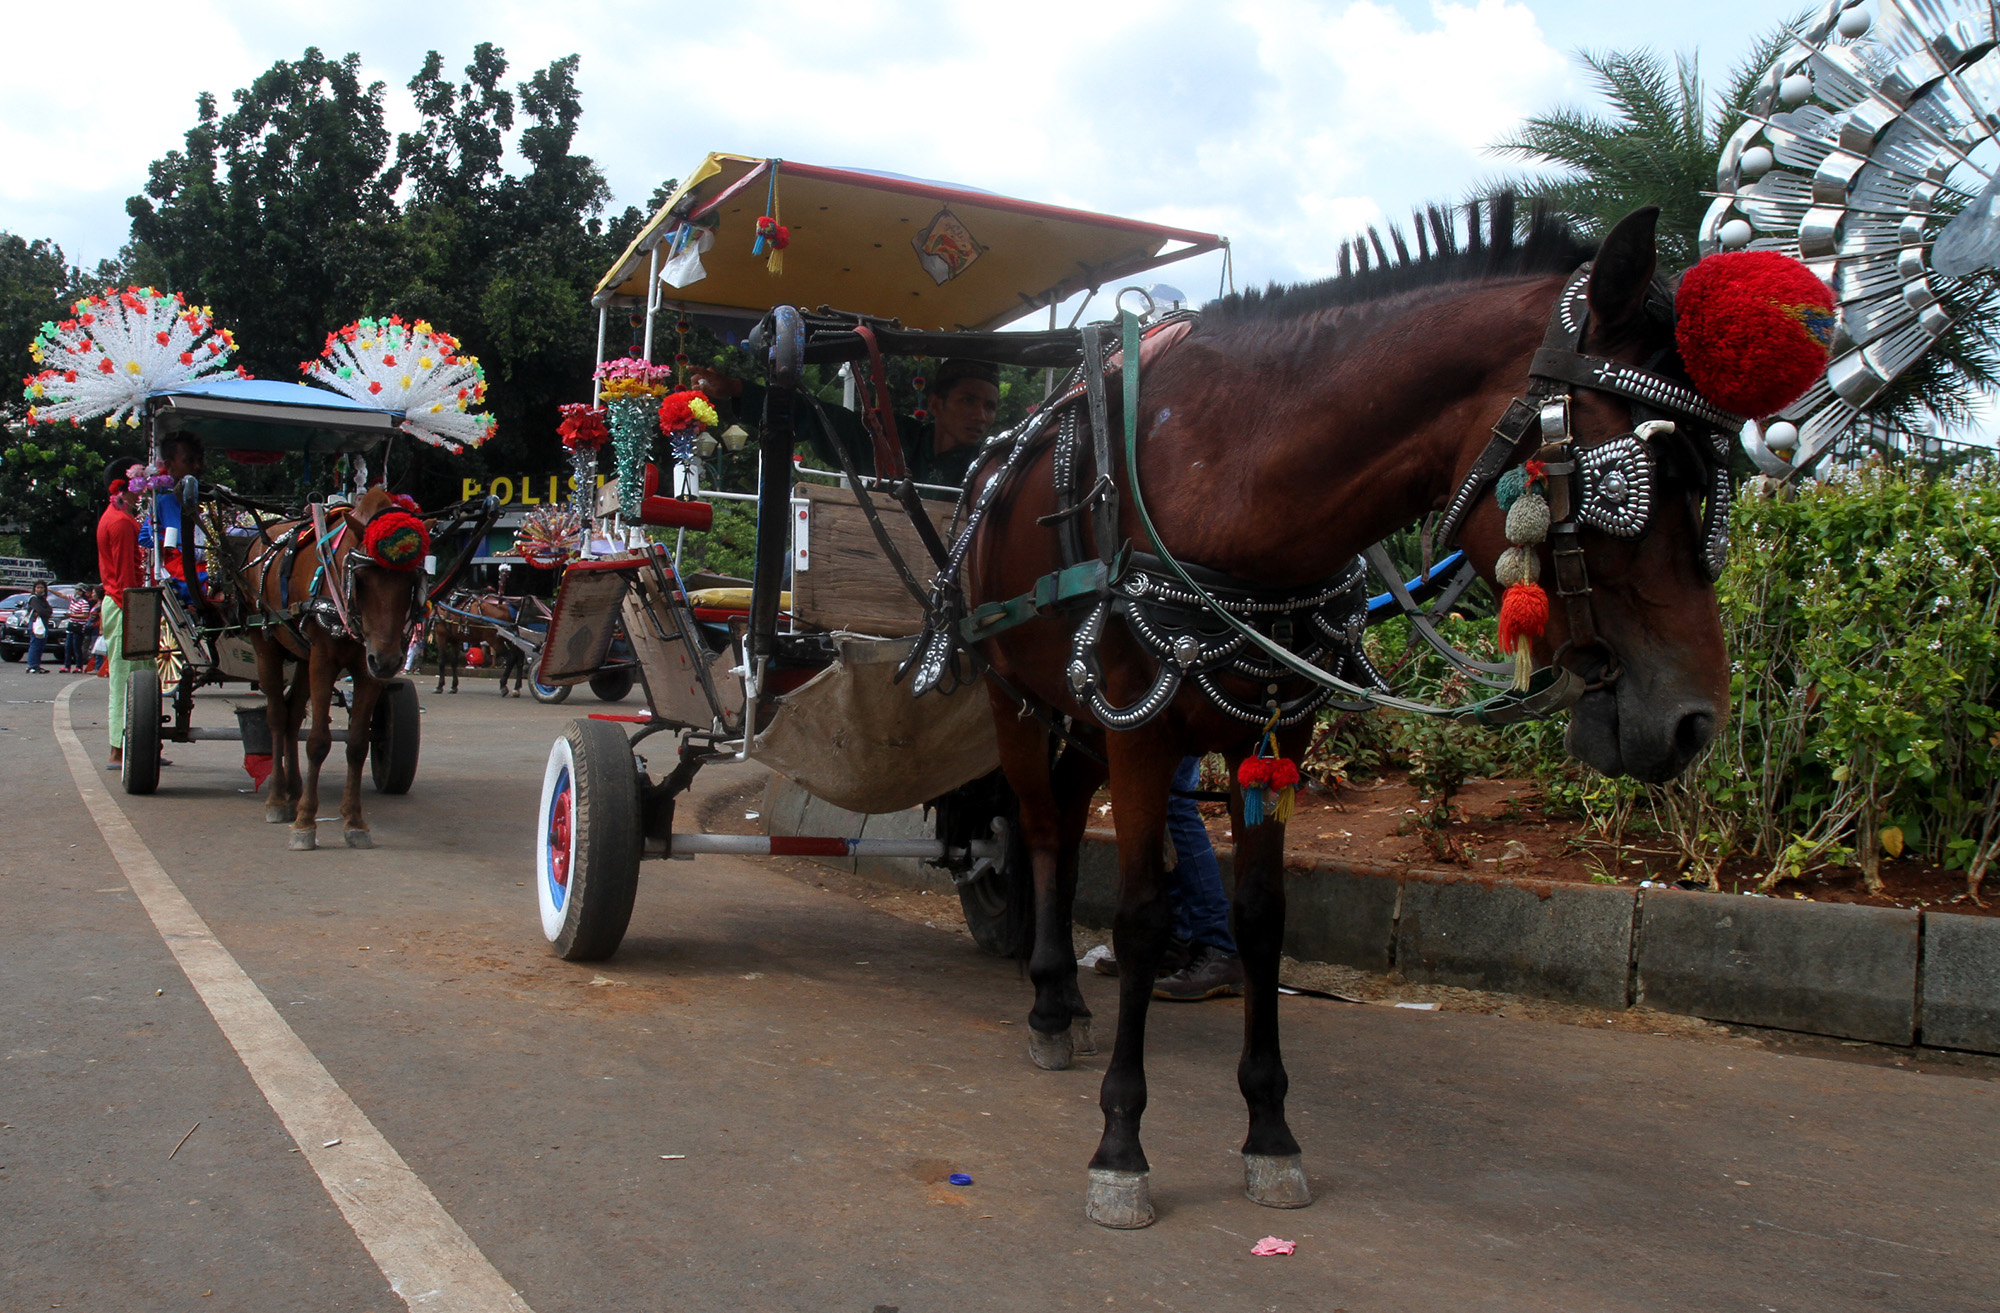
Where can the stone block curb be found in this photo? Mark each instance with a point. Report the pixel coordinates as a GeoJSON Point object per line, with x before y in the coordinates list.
{"type": "Point", "coordinates": [1878, 974]}
{"type": "Point", "coordinates": [1961, 982]}
{"type": "Point", "coordinates": [1827, 968]}
{"type": "Point", "coordinates": [1549, 939]}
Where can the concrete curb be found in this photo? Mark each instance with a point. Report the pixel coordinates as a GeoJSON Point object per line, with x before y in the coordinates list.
{"type": "Point", "coordinates": [1866, 973]}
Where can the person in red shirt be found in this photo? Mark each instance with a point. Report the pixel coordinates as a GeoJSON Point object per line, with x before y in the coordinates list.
{"type": "Point", "coordinates": [118, 567]}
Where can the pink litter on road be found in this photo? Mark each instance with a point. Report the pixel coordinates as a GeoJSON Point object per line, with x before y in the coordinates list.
{"type": "Point", "coordinates": [1271, 1245]}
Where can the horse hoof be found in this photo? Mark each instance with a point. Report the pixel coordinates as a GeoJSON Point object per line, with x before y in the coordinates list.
{"type": "Point", "coordinates": [303, 841]}
{"type": "Point", "coordinates": [1122, 1201]}
{"type": "Point", "coordinates": [277, 815]}
{"type": "Point", "coordinates": [1051, 1052]}
{"type": "Point", "coordinates": [359, 839]}
{"type": "Point", "coordinates": [1276, 1180]}
{"type": "Point", "coordinates": [1080, 1037]}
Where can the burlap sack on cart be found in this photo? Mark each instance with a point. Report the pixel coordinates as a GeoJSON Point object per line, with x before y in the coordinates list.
{"type": "Point", "coordinates": [856, 738]}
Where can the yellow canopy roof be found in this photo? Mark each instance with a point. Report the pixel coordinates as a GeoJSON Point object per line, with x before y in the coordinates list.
{"type": "Point", "coordinates": [855, 239]}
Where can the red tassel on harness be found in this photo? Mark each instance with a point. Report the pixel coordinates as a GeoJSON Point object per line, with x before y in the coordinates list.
{"type": "Point", "coordinates": [1524, 614]}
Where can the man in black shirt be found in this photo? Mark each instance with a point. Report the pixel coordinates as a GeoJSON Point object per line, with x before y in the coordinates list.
{"type": "Point", "coordinates": [964, 397]}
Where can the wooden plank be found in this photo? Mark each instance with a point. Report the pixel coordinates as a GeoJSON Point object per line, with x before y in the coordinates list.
{"type": "Point", "coordinates": [850, 585]}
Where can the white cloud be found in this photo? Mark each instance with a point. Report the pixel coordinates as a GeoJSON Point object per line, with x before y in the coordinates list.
{"type": "Point", "coordinates": [1283, 124]}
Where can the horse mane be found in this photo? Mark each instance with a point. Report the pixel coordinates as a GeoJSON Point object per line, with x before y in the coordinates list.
{"type": "Point", "coordinates": [1484, 246]}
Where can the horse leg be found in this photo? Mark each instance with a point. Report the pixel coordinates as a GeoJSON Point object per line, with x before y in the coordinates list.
{"type": "Point", "coordinates": [322, 669]}
{"type": "Point", "coordinates": [1076, 778]}
{"type": "Point", "coordinates": [1142, 769]}
{"type": "Point", "coordinates": [437, 637]}
{"type": "Point", "coordinates": [1273, 1171]}
{"type": "Point", "coordinates": [360, 729]}
{"type": "Point", "coordinates": [1024, 757]}
{"type": "Point", "coordinates": [277, 717]}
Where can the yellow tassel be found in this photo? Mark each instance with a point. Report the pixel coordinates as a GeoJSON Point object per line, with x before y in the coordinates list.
{"type": "Point", "coordinates": [1524, 663]}
{"type": "Point", "coordinates": [776, 264]}
{"type": "Point", "coordinates": [1281, 812]}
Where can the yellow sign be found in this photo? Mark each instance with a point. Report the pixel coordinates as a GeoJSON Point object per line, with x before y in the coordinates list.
{"type": "Point", "coordinates": [530, 489]}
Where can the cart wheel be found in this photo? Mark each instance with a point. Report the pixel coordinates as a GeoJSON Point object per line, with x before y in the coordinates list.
{"type": "Point", "coordinates": [1000, 903]}
{"type": "Point", "coordinates": [395, 738]}
{"type": "Point", "coordinates": [141, 772]}
{"type": "Point", "coordinates": [612, 685]}
{"type": "Point", "coordinates": [587, 860]}
{"type": "Point", "coordinates": [548, 693]}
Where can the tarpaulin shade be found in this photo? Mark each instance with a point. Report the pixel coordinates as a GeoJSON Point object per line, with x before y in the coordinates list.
{"type": "Point", "coordinates": [261, 414]}
{"type": "Point", "coordinates": [854, 245]}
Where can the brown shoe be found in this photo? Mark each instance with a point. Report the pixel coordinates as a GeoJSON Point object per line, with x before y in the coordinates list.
{"type": "Point", "coordinates": [1211, 974]}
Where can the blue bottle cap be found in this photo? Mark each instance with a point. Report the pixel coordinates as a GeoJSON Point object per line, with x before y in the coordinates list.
{"type": "Point", "coordinates": [960, 1178]}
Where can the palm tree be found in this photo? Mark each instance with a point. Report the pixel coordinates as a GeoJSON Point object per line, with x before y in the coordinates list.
{"type": "Point", "coordinates": [1659, 146]}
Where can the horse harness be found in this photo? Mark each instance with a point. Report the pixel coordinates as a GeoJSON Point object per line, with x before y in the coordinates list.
{"type": "Point", "coordinates": [1200, 625]}
{"type": "Point", "coordinates": [329, 598]}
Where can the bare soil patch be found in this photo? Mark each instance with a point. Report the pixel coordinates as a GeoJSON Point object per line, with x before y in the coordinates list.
{"type": "Point", "coordinates": [1504, 829]}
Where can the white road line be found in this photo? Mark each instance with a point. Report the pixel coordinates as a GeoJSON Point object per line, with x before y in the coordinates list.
{"type": "Point", "coordinates": [425, 1255]}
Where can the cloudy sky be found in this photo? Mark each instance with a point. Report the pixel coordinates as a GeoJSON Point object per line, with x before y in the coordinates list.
{"type": "Point", "coordinates": [1282, 124]}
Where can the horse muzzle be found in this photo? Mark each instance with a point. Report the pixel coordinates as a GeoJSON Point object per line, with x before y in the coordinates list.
{"type": "Point", "coordinates": [1619, 730]}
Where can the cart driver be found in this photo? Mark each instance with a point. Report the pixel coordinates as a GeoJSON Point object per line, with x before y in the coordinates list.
{"type": "Point", "coordinates": [964, 398]}
{"type": "Point", "coordinates": [181, 455]}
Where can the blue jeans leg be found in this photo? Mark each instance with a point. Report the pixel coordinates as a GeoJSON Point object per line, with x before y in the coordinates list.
{"type": "Point", "coordinates": [35, 644]}
{"type": "Point", "coordinates": [1201, 907]}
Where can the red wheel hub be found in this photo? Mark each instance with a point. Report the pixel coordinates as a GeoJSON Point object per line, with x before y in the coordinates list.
{"type": "Point", "coordinates": [559, 838]}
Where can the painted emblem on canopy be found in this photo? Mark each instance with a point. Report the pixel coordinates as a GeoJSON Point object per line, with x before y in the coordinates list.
{"type": "Point", "coordinates": [946, 248]}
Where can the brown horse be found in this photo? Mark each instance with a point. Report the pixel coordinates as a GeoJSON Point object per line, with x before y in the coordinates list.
{"type": "Point", "coordinates": [454, 630]}
{"type": "Point", "coordinates": [1285, 434]}
{"type": "Point", "coordinates": [345, 611]}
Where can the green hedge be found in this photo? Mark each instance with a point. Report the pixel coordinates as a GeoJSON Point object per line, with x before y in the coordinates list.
{"type": "Point", "coordinates": [1863, 623]}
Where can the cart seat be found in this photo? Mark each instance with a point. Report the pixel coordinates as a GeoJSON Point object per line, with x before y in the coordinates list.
{"type": "Point", "coordinates": [671, 512]}
{"type": "Point", "coordinates": [722, 605]}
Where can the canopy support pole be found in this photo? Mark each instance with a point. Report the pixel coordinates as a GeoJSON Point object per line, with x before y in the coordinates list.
{"type": "Point", "coordinates": [652, 295]}
{"type": "Point", "coordinates": [596, 384]}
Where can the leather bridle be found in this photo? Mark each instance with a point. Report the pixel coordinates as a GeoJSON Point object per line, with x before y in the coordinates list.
{"type": "Point", "coordinates": [1608, 486]}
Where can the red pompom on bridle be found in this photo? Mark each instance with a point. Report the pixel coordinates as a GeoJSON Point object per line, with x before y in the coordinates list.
{"type": "Point", "coordinates": [396, 540]}
{"type": "Point", "coordinates": [1754, 330]}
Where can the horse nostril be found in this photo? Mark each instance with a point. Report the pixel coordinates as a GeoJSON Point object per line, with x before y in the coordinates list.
{"type": "Point", "coordinates": [1693, 733]}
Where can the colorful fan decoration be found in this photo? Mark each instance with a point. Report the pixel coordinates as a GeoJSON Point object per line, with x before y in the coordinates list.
{"type": "Point", "coordinates": [413, 368]}
{"type": "Point", "coordinates": [117, 347]}
{"type": "Point", "coordinates": [548, 536]}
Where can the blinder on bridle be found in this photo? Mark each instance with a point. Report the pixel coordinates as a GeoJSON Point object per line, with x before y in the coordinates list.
{"type": "Point", "coordinates": [1615, 486]}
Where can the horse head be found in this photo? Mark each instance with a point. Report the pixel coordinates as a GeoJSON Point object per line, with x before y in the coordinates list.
{"type": "Point", "coordinates": [387, 578]}
{"type": "Point", "coordinates": [1641, 470]}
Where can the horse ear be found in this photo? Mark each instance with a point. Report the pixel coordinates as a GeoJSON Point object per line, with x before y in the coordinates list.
{"type": "Point", "coordinates": [1622, 273]}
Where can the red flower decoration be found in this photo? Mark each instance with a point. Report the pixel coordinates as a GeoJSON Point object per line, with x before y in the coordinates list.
{"type": "Point", "coordinates": [396, 540]}
{"type": "Point", "coordinates": [374, 388]}
{"type": "Point", "coordinates": [583, 427]}
{"type": "Point", "coordinates": [1754, 329]}
{"type": "Point", "coordinates": [1254, 773]}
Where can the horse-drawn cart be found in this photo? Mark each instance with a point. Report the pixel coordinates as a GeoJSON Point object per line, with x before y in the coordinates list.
{"type": "Point", "coordinates": [181, 639]}
{"type": "Point", "coordinates": [810, 669]}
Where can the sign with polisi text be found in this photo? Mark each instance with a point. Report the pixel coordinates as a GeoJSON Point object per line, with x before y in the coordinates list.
{"type": "Point", "coordinates": [524, 489]}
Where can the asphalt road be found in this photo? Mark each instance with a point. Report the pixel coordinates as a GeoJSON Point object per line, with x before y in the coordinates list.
{"type": "Point", "coordinates": [818, 1068]}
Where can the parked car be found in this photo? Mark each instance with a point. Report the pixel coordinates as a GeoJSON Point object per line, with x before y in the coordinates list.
{"type": "Point", "coordinates": [14, 623]}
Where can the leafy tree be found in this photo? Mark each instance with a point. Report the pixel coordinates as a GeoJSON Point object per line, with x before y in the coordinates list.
{"type": "Point", "coordinates": [1659, 146]}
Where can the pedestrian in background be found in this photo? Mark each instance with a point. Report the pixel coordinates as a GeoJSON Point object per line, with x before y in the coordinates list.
{"type": "Point", "coordinates": [76, 629]}
{"type": "Point", "coordinates": [41, 626]}
{"type": "Point", "coordinates": [118, 567]}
